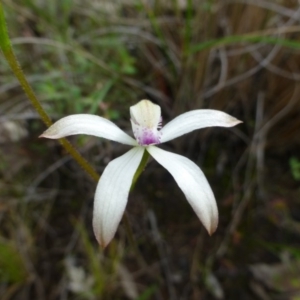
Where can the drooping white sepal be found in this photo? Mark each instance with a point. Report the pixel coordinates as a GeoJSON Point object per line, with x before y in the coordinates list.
{"type": "Point", "coordinates": [88, 124]}
{"type": "Point", "coordinates": [193, 183]}
{"type": "Point", "coordinates": [196, 119]}
{"type": "Point", "coordinates": [112, 194]}
{"type": "Point", "coordinates": [145, 121]}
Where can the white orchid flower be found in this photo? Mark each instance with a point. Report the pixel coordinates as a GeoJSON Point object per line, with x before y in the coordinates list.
{"type": "Point", "coordinates": [113, 187]}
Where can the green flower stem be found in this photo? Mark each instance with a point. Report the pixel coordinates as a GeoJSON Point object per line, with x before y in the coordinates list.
{"type": "Point", "coordinates": [9, 55]}
{"type": "Point", "coordinates": [140, 169]}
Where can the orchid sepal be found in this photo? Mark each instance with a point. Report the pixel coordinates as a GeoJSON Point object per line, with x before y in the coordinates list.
{"type": "Point", "coordinates": [112, 194]}
{"type": "Point", "coordinates": [196, 119]}
{"type": "Point", "coordinates": [88, 124]}
{"type": "Point", "coordinates": [193, 184]}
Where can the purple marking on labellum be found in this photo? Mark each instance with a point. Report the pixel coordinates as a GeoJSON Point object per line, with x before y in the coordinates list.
{"type": "Point", "coordinates": [148, 137]}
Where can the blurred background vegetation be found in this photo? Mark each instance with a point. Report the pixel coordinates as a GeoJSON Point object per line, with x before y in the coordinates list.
{"type": "Point", "coordinates": [101, 57]}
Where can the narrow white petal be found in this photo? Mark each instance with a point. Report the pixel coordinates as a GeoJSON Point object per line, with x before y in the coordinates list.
{"type": "Point", "coordinates": [193, 183]}
{"type": "Point", "coordinates": [196, 119]}
{"type": "Point", "coordinates": [88, 124]}
{"type": "Point", "coordinates": [112, 194]}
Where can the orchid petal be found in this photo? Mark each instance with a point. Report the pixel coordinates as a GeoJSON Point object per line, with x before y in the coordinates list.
{"type": "Point", "coordinates": [193, 183]}
{"type": "Point", "coordinates": [145, 120]}
{"type": "Point", "coordinates": [88, 124]}
{"type": "Point", "coordinates": [196, 119]}
{"type": "Point", "coordinates": [112, 194]}
{"type": "Point", "coordinates": [146, 113]}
